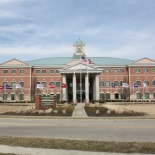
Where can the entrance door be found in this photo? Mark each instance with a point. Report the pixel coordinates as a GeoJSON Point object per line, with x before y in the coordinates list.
{"type": "Point", "coordinates": [79, 96]}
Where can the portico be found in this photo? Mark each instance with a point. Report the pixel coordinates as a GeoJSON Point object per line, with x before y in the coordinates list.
{"type": "Point", "coordinates": [82, 82]}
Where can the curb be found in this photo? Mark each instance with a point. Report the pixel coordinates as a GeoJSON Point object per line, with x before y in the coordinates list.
{"type": "Point", "coordinates": [71, 117]}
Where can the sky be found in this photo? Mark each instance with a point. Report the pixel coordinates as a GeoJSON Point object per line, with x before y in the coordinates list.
{"type": "Point", "coordinates": [36, 29]}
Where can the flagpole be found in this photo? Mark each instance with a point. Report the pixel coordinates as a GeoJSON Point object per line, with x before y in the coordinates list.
{"type": "Point", "coordinates": [87, 83]}
{"type": "Point", "coordinates": [123, 93]}
{"type": "Point", "coordinates": [60, 92]}
{"type": "Point", "coordinates": [111, 94]}
{"type": "Point", "coordinates": [133, 93]}
{"type": "Point", "coordinates": [80, 86]}
{"type": "Point", "coordinates": [143, 93]}
{"type": "Point", "coordinates": [4, 94]}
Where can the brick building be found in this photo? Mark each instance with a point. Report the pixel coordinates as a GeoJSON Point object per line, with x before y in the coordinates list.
{"type": "Point", "coordinates": [84, 81]}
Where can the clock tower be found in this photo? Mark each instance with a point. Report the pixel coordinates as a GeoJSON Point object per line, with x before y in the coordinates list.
{"type": "Point", "coordinates": [79, 49]}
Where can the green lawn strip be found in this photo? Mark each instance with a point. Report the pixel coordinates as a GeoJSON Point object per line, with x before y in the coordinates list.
{"type": "Point", "coordinates": [84, 145]}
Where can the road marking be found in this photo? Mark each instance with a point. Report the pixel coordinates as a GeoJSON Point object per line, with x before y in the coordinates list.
{"type": "Point", "coordinates": [82, 126]}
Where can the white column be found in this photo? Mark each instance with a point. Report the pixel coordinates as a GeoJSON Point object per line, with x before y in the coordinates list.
{"type": "Point", "coordinates": [74, 88]}
{"type": "Point", "coordinates": [64, 89]}
{"type": "Point", "coordinates": [87, 88]}
{"type": "Point", "coordinates": [97, 86]}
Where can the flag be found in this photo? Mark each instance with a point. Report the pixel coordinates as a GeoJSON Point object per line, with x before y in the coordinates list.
{"type": "Point", "coordinates": [40, 86]}
{"type": "Point", "coordinates": [90, 61]}
{"type": "Point", "coordinates": [113, 85]}
{"type": "Point", "coordinates": [63, 85]}
{"type": "Point", "coordinates": [8, 87]}
{"type": "Point", "coordinates": [84, 59]}
{"type": "Point", "coordinates": [135, 85]}
{"type": "Point", "coordinates": [144, 85]}
{"type": "Point", "coordinates": [125, 85]}
{"type": "Point", "coordinates": [18, 86]}
{"type": "Point", "coordinates": [51, 85]}
{"type": "Point", "coordinates": [1, 87]}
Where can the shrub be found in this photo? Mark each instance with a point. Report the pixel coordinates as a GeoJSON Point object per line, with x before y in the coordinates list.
{"type": "Point", "coordinates": [101, 101]}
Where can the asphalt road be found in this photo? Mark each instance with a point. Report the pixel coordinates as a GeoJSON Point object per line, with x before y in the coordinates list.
{"type": "Point", "coordinates": [80, 129]}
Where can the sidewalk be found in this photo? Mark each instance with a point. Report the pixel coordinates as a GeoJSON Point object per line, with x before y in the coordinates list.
{"type": "Point", "coordinates": [42, 151]}
{"type": "Point", "coordinates": [79, 111]}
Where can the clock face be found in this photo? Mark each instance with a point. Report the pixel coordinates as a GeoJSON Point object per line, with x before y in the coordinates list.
{"type": "Point", "coordinates": [79, 50]}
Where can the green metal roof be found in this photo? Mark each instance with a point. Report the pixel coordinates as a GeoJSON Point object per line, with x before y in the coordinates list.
{"type": "Point", "coordinates": [110, 61]}
{"type": "Point", "coordinates": [64, 60]}
{"type": "Point", "coordinates": [79, 42]}
{"type": "Point", "coordinates": [50, 61]}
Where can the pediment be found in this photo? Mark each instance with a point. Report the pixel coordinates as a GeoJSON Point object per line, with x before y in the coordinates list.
{"type": "Point", "coordinates": [80, 67]}
{"type": "Point", "coordinates": [144, 61]}
{"type": "Point", "coordinates": [13, 62]}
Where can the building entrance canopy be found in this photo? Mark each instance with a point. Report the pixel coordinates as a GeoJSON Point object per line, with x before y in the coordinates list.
{"type": "Point", "coordinates": [80, 75]}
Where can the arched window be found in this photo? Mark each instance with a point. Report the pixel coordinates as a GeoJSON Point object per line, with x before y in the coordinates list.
{"type": "Point", "coordinates": [101, 83]}
{"type": "Point", "coordinates": [21, 96]}
{"type": "Point", "coordinates": [107, 96]}
{"type": "Point", "coordinates": [107, 83]}
{"type": "Point", "coordinates": [101, 96]}
{"type": "Point", "coordinates": [139, 96]}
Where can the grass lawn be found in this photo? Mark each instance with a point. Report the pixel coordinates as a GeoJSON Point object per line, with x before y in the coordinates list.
{"type": "Point", "coordinates": [84, 145]}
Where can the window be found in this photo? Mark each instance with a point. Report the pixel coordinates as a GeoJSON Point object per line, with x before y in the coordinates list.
{"type": "Point", "coordinates": [107, 96]}
{"type": "Point", "coordinates": [153, 82]}
{"type": "Point", "coordinates": [153, 69]}
{"type": "Point", "coordinates": [52, 71]}
{"type": "Point", "coordinates": [52, 95]}
{"type": "Point", "coordinates": [37, 71]}
{"type": "Point", "coordinates": [57, 71]}
{"type": "Point", "coordinates": [154, 95]}
{"type": "Point", "coordinates": [4, 96]}
{"type": "Point", "coordinates": [121, 83]}
{"type": "Point", "coordinates": [44, 71]}
{"type": "Point", "coordinates": [146, 70]}
{"type": "Point", "coordinates": [147, 82]}
{"type": "Point", "coordinates": [37, 83]}
{"type": "Point", "coordinates": [103, 71]}
{"type": "Point", "coordinates": [13, 71]}
{"type": "Point", "coordinates": [101, 96]}
{"type": "Point", "coordinates": [107, 71]}
{"type": "Point", "coordinates": [116, 96]}
{"type": "Point", "coordinates": [5, 71]}
{"type": "Point", "coordinates": [4, 84]}
{"type": "Point", "coordinates": [70, 84]}
{"type": "Point", "coordinates": [22, 71]}
{"type": "Point", "coordinates": [12, 96]}
{"type": "Point", "coordinates": [137, 70]}
{"type": "Point", "coordinates": [107, 83]}
{"type": "Point", "coordinates": [139, 96]}
{"type": "Point", "coordinates": [13, 84]}
{"type": "Point", "coordinates": [57, 84]}
{"type": "Point", "coordinates": [22, 84]}
{"type": "Point", "coordinates": [57, 97]}
{"type": "Point", "coordinates": [53, 83]}
{"type": "Point", "coordinates": [115, 70]}
{"type": "Point", "coordinates": [101, 83]}
{"type": "Point", "coordinates": [44, 84]}
{"type": "Point", "coordinates": [122, 96]}
{"type": "Point", "coordinates": [121, 70]}
{"type": "Point", "coordinates": [147, 96]}
{"type": "Point", "coordinates": [116, 83]}
{"type": "Point", "coordinates": [21, 96]}
{"type": "Point", "coordinates": [138, 83]}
